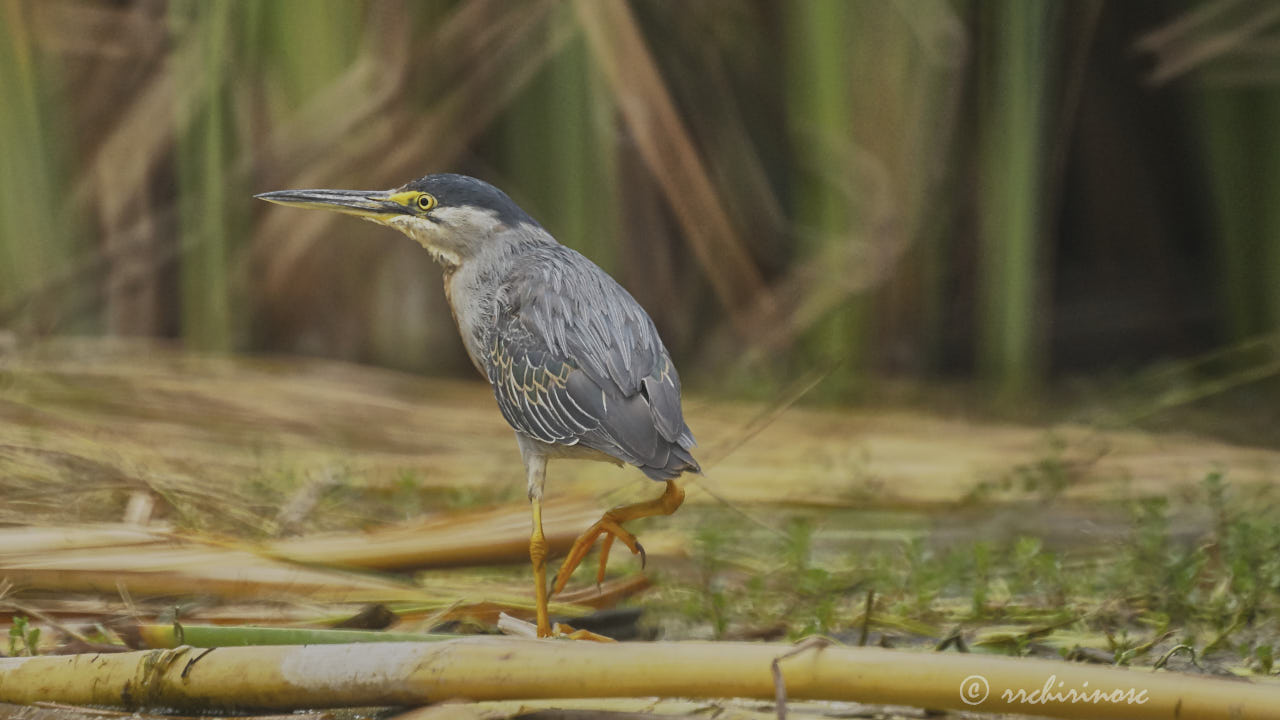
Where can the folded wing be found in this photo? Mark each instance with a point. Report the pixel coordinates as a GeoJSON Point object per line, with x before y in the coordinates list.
{"type": "Point", "coordinates": [573, 359]}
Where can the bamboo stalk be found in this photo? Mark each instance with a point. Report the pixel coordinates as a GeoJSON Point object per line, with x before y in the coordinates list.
{"type": "Point", "coordinates": [1229, 156]}
{"type": "Point", "coordinates": [508, 668]}
{"type": "Point", "coordinates": [557, 150]}
{"type": "Point", "coordinates": [821, 120]}
{"type": "Point", "coordinates": [1269, 213]}
{"type": "Point", "coordinates": [202, 158]}
{"type": "Point", "coordinates": [1012, 133]}
{"type": "Point", "coordinates": [309, 43]}
{"type": "Point", "coordinates": [35, 222]}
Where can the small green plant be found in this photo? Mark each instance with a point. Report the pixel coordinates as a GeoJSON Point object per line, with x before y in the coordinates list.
{"type": "Point", "coordinates": [710, 543]}
{"type": "Point", "coordinates": [24, 638]}
{"type": "Point", "coordinates": [1245, 547]}
{"type": "Point", "coordinates": [1264, 659]}
{"type": "Point", "coordinates": [815, 590]}
{"type": "Point", "coordinates": [1193, 572]}
{"type": "Point", "coordinates": [1049, 474]}
{"type": "Point", "coordinates": [1044, 477]}
{"type": "Point", "coordinates": [1037, 571]}
{"type": "Point", "coordinates": [981, 577]}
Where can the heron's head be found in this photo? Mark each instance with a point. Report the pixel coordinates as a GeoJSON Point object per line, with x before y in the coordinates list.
{"type": "Point", "coordinates": [453, 216]}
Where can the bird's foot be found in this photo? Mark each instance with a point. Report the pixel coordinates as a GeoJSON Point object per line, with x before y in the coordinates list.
{"type": "Point", "coordinates": [564, 631]}
{"type": "Point", "coordinates": [559, 631]}
{"type": "Point", "coordinates": [610, 528]}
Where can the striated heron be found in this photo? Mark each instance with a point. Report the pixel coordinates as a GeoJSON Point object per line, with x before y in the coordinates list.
{"type": "Point", "coordinates": [576, 364]}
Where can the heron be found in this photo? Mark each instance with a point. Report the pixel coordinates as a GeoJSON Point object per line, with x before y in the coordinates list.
{"type": "Point", "coordinates": [576, 365]}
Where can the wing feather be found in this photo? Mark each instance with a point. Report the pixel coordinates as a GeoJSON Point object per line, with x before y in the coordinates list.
{"type": "Point", "coordinates": [574, 359]}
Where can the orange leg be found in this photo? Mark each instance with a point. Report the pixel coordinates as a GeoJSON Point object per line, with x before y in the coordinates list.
{"type": "Point", "coordinates": [611, 527]}
{"type": "Point", "coordinates": [538, 554]}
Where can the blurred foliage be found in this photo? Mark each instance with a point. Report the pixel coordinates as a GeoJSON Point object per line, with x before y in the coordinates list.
{"type": "Point", "coordinates": [985, 188]}
{"type": "Point", "coordinates": [1172, 579]}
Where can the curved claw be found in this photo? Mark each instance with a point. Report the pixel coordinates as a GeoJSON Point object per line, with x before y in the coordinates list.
{"type": "Point", "coordinates": [606, 526]}
{"type": "Point", "coordinates": [605, 546]}
{"type": "Point", "coordinates": [611, 527]}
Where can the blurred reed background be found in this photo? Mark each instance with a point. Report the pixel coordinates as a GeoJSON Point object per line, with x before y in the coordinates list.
{"type": "Point", "coordinates": [1010, 191]}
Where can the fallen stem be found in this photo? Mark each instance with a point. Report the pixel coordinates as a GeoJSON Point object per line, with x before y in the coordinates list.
{"type": "Point", "coordinates": [491, 668]}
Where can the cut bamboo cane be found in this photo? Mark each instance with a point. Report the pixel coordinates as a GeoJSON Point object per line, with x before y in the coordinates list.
{"type": "Point", "coordinates": [317, 676]}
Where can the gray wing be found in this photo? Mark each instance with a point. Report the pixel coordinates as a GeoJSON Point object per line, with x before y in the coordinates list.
{"type": "Point", "coordinates": [573, 359]}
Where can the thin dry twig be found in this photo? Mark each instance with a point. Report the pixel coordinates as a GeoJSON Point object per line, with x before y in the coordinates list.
{"type": "Point", "coordinates": [814, 643]}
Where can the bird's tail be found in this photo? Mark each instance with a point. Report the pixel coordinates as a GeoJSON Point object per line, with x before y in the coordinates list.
{"type": "Point", "coordinates": [679, 461]}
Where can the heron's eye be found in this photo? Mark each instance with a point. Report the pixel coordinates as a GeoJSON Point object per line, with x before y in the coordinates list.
{"type": "Point", "coordinates": [426, 202]}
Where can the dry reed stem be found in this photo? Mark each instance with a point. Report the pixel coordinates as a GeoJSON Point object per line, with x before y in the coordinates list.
{"type": "Point", "coordinates": [668, 150]}
{"type": "Point", "coordinates": [497, 36]}
{"type": "Point", "coordinates": [500, 535]}
{"type": "Point", "coordinates": [291, 677]}
{"type": "Point", "coordinates": [1202, 34]}
{"type": "Point", "coordinates": [173, 635]}
{"type": "Point", "coordinates": [229, 574]}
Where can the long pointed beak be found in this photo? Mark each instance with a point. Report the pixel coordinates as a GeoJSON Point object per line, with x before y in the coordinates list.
{"type": "Point", "coordinates": [370, 204]}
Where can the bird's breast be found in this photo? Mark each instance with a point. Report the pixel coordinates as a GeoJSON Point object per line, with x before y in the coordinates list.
{"type": "Point", "coordinates": [467, 300]}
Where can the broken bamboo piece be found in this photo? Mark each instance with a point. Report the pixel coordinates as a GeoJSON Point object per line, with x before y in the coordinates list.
{"type": "Point", "coordinates": [318, 676]}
